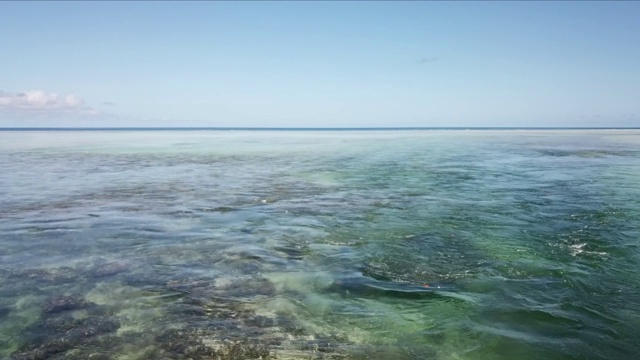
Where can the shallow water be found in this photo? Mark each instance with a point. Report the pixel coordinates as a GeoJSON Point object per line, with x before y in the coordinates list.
{"type": "Point", "coordinates": [320, 244]}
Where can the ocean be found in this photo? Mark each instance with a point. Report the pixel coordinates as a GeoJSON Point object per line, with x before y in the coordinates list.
{"type": "Point", "coordinates": [320, 244]}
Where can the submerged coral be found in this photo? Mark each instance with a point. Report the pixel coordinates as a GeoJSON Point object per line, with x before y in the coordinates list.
{"type": "Point", "coordinates": [61, 303]}
{"type": "Point", "coordinates": [63, 336]}
{"type": "Point", "coordinates": [191, 344]}
{"type": "Point", "coordinates": [59, 330]}
{"type": "Point", "coordinates": [110, 268]}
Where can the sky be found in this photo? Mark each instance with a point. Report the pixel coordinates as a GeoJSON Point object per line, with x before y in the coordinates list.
{"type": "Point", "coordinates": [319, 64]}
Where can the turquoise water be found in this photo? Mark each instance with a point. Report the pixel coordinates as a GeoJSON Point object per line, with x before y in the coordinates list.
{"type": "Point", "coordinates": [320, 244]}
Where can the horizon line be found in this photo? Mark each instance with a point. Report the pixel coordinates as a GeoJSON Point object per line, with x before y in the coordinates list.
{"type": "Point", "coordinates": [249, 128]}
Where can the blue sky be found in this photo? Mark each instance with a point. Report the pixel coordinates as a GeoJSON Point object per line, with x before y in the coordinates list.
{"type": "Point", "coordinates": [319, 64]}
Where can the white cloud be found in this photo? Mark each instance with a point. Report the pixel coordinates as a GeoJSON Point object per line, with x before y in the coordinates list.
{"type": "Point", "coordinates": [41, 101]}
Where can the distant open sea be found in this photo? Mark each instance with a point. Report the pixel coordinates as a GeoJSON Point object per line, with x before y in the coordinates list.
{"type": "Point", "coordinates": [299, 129]}
{"type": "Point", "coordinates": [409, 243]}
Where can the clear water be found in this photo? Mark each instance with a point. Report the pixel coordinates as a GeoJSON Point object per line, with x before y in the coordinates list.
{"type": "Point", "coordinates": [320, 244]}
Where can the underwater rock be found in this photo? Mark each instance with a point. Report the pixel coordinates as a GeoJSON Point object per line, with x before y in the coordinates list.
{"type": "Point", "coordinates": [91, 327]}
{"type": "Point", "coordinates": [177, 341]}
{"type": "Point", "coordinates": [223, 325]}
{"type": "Point", "coordinates": [60, 275]}
{"type": "Point", "coordinates": [322, 345]}
{"type": "Point", "coordinates": [4, 311]}
{"type": "Point", "coordinates": [290, 325]}
{"type": "Point", "coordinates": [189, 285]}
{"type": "Point", "coordinates": [65, 336]}
{"type": "Point", "coordinates": [90, 356]}
{"type": "Point", "coordinates": [13, 289]}
{"type": "Point", "coordinates": [64, 303]}
{"type": "Point", "coordinates": [188, 343]}
{"type": "Point", "coordinates": [185, 310]}
{"type": "Point", "coordinates": [243, 350]}
{"type": "Point", "coordinates": [58, 324]}
{"type": "Point", "coordinates": [111, 268]}
{"type": "Point", "coordinates": [42, 352]}
{"type": "Point", "coordinates": [140, 279]}
{"type": "Point", "coordinates": [260, 321]}
{"type": "Point", "coordinates": [250, 287]}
